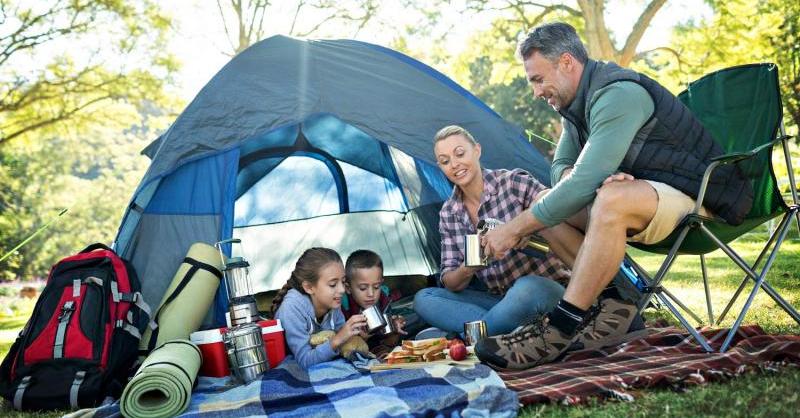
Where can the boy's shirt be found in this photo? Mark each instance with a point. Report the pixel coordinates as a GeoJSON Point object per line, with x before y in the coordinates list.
{"type": "Point", "coordinates": [379, 344]}
{"type": "Point", "coordinates": [350, 309]}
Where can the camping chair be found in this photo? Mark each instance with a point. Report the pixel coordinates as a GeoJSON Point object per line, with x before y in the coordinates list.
{"type": "Point", "coordinates": [741, 106]}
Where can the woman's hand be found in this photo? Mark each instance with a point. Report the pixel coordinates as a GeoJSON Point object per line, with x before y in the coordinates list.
{"type": "Point", "coordinates": [399, 323]}
{"type": "Point", "coordinates": [354, 326]}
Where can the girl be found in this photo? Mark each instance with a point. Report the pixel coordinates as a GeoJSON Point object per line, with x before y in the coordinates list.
{"type": "Point", "coordinates": [310, 302]}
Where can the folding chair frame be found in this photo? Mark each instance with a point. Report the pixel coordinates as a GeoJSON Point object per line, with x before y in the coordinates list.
{"type": "Point", "coordinates": [775, 241]}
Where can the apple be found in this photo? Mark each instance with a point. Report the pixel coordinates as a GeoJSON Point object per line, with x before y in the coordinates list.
{"type": "Point", "coordinates": [458, 352]}
{"type": "Point", "coordinates": [454, 341]}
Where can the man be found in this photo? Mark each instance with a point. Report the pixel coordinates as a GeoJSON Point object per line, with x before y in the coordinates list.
{"type": "Point", "coordinates": [628, 167]}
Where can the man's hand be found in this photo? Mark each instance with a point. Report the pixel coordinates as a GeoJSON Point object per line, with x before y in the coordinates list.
{"type": "Point", "coordinates": [497, 242]}
{"type": "Point", "coordinates": [618, 177]}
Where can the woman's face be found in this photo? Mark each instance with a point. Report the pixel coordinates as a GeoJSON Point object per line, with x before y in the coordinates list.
{"type": "Point", "coordinates": [458, 159]}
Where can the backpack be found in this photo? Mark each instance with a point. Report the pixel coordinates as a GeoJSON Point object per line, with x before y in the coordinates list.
{"type": "Point", "coordinates": [81, 341]}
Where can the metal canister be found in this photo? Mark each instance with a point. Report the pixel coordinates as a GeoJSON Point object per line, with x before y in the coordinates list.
{"type": "Point", "coordinates": [237, 279]}
{"type": "Point", "coordinates": [243, 310]}
{"type": "Point", "coordinates": [246, 354]}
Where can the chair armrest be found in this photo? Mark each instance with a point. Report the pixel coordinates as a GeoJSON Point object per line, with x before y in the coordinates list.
{"type": "Point", "coordinates": [731, 158]}
{"type": "Point", "coordinates": [739, 156]}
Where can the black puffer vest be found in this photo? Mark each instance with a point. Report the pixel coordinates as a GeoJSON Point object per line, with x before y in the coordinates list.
{"type": "Point", "coordinates": [672, 147]}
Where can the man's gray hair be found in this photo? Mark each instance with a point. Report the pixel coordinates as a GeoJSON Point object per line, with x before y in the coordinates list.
{"type": "Point", "coordinates": [451, 130]}
{"type": "Point", "coordinates": [551, 40]}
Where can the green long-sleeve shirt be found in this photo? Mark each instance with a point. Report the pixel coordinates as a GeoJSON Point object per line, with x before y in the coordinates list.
{"type": "Point", "coordinates": [616, 113]}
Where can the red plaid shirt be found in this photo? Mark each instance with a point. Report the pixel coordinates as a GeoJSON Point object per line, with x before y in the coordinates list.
{"type": "Point", "coordinates": [505, 195]}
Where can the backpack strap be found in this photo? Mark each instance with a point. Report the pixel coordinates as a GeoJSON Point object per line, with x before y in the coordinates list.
{"type": "Point", "coordinates": [195, 265]}
{"type": "Point", "coordinates": [63, 321]}
{"type": "Point", "coordinates": [23, 384]}
{"type": "Point", "coordinates": [136, 298]}
{"type": "Point", "coordinates": [75, 388]}
{"type": "Point", "coordinates": [129, 328]}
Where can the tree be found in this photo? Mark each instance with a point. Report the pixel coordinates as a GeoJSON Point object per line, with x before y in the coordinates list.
{"type": "Point", "coordinates": [83, 86]}
{"type": "Point", "coordinates": [46, 82]}
{"type": "Point", "coordinates": [244, 20]}
{"type": "Point", "coordinates": [786, 44]}
{"type": "Point", "coordinates": [599, 39]}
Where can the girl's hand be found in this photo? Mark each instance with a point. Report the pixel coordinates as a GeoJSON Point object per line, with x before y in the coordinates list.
{"type": "Point", "coordinates": [399, 324]}
{"type": "Point", "coordinates": [354, 326]}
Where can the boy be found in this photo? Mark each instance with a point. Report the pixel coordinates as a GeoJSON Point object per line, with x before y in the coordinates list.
{"type": "Point", "coordinates": [364, 287]}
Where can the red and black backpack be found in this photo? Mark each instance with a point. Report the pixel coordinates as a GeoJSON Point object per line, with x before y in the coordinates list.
{"type": "Point", "coordinates": [82, 339]}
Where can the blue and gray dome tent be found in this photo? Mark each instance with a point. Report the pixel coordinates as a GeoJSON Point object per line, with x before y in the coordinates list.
{"type": "Point", "coordinates": [295, 144]}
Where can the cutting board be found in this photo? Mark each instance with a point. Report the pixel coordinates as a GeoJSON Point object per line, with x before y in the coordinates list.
{"type": "Point", "coordinates": [470, 361]}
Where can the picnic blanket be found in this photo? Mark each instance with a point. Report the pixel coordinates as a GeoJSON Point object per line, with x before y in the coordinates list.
{"type": "Point", "coordinates": [337, 389]}
{"type": "Point", "coordinates": [669, 357]}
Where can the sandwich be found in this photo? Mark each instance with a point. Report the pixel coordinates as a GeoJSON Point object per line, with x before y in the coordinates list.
{"type": "Point", "coordinates": [419, 347]}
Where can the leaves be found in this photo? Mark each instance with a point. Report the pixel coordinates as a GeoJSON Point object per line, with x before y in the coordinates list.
{"type": "Point", "coordinates": [72, 120]}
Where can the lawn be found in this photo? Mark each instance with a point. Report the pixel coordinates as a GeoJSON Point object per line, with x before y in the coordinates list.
{"type": "Point", "coordinates": [769, 393]}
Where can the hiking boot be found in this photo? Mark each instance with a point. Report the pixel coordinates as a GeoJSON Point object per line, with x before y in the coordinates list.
{"type": "Point", "coordinates": [610, 326]}
{"type": "Point", "coordinates": [531, 344]}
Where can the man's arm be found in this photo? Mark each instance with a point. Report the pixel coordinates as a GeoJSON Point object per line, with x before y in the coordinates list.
{"type": "Point", "coordinates": [618, 112]}
{"type": "Point", "coordinates": [565, 156]}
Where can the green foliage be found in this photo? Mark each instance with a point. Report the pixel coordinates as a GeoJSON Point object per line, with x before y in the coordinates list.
{"type": "Point", "coordinates": [786, 43]}
{"type": "Point", "coordinates": [73, 120]}
{"type": "Point", "coordinates": [45, 82]}
{"type": "Point", "coordinates": [739, 32]}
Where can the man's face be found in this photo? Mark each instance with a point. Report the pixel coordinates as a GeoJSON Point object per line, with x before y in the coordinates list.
{"type": "Point", "coordinates": [550, 80]}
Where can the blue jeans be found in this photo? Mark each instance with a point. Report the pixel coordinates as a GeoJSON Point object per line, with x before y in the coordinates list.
{"type": "Point", "coordinates": [447, 310]}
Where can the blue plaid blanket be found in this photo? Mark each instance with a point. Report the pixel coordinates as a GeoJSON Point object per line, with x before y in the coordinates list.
{"type": "Point", "coordinates": [337, 389]}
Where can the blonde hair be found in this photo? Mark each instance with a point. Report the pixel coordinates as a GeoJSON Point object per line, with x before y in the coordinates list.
{"type": "Point", "coordinates": [451, 130]}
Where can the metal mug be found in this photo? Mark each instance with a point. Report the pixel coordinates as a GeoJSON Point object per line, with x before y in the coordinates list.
{"type": "Point", "coordinates": [389, 327]}
{"type": "Point", "coordinates": [473, 256]}
{"type": "Point", "coordinates": [474, 331]}
{"type": "Point", "coordinates": [246, 354]}
{"type": "Point", "coordinates": [375, 318]}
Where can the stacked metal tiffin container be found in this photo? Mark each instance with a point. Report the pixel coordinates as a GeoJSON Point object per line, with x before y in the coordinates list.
{"type": "Point", "coordinates": [243, 341]}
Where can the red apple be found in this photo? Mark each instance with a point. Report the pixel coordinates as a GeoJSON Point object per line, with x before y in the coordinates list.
{"type": "Point", "coordinates": [454, 341]}
{"type": "Point", "coordinates": [458, 352]}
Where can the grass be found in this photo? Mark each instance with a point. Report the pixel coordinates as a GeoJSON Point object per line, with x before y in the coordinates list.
{"type": "Point", "coordinates": [771, 393]}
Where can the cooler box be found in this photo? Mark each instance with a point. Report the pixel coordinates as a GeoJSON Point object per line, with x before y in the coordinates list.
{"type": "Point", "coordinates": [215, 361]}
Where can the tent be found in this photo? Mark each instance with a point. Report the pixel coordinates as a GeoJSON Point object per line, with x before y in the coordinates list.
{"type": "Point", "coordinates": [297, 143]}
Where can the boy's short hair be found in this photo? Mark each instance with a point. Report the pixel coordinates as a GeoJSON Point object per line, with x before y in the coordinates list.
{"type": "Point", "coordinates": [361, 259]}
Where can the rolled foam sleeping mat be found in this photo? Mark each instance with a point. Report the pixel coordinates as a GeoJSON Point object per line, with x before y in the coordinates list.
{"type": "Point", "coordinates": [162, 387]}
{"type": "Point", "coordinates": [187, 299]}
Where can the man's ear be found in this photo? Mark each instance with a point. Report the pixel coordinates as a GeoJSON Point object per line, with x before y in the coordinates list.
{"type": "Point", "coordinates": [347, 288]}
{"type": "Point", "coordinates": [567, 62]}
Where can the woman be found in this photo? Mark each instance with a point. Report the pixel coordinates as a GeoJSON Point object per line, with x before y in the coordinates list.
{"type": "Point", "coordinates": [507, 291]}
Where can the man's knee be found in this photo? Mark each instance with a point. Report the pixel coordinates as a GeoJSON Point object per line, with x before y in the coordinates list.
{"type": "Point", "coordinates": [611, 202]}
{"type": "Point", "coordinates": [631, 203]}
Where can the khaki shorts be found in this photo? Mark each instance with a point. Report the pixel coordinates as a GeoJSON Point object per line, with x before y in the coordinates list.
{"type": "Point", "coordinates": [672, 207]}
